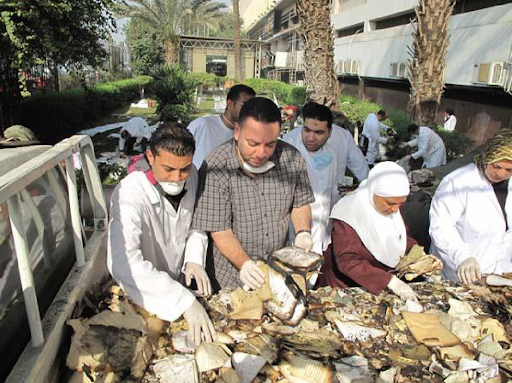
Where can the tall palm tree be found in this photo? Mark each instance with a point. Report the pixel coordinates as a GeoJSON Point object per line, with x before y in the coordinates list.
{"type": "Point", "coordinates": [204, 17]}
{"type": "Point", "coordinates": [236, 40]}
{"type": "Point", "coordinates": [427, 63]}
{"type": "Point", "coordinates": [316, 32]}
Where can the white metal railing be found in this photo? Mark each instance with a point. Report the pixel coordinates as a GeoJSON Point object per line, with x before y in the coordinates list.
{"type": "Point", "coordinates": [13, 187]}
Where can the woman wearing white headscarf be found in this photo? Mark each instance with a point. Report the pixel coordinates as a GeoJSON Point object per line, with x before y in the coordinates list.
{"type": "Point", "coordinates": [369, 235]}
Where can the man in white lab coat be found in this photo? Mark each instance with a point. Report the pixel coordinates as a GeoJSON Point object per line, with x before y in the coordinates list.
{"type": "Point", "coordinates": [151, 245]}
{"type": "Point", "coordinates": [328, 150]}
{"type": "Point", "coordinates": [134, 132]}
{"type": "Point", "coordinates": [430, 146]}
{"type": "Point", "coordinates": [371, 131]}
{"type": "Point", "coordinates": [471, 215]}
{"type": "Point", "coordinates": [211, 131]}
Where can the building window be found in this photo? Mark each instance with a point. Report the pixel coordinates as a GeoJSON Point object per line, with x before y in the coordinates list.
{"type": "Point", "coordinates": [463, 6]}
{"type": "Point", "coordinates": [217, 65]}
{"type": "Point", "coordinates": [349, 31]}
{"type": "Point", "coordinates": [394, 21]}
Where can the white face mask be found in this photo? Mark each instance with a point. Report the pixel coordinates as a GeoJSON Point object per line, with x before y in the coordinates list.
{"type": "Point", "coordinates": [173, 188]}
{"type": "Point", "coordinates": [258, 170]}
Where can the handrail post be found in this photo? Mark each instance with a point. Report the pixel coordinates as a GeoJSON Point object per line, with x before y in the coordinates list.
{"type": "Point", "coordinates": [26, 277]}
{"type": "Point", "coordinates": [75, 212]}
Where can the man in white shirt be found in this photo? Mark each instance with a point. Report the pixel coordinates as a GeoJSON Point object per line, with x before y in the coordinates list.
{"type": "Point", "coordinates": [211, 131]}
{"type": "Point", "coordinates": [430, 146]}
{"type": "Point", "coordinates": [371, 132]}
{"type": "Point", "coordinates": [151, 245]}
{"type": "Point", "coordinates": [134, 132]}
{"type": "Point", "coordinates": [328, 149]}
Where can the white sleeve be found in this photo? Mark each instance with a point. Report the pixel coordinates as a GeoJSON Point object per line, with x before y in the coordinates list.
{"type": "Point", "coordinates": [422, 147]}
{"type": "Point", "coordinates": [148, 287]}
{"type": "Point", "coordinates": [356, 162]}
{"type": "Point", "coordinates": [383, 127]}
{"type": "Point", "coordinates": [413, 143]}
{"type": "Point", "coordinates": [196, 247]}
{"type": "Point", "coordinates": [122, 141]}
{"type": "Point", "coordinates": [446, 209]}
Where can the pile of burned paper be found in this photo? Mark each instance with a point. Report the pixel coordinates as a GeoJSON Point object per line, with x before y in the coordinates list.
{"type": "Point", "coordinates": [453, 334]}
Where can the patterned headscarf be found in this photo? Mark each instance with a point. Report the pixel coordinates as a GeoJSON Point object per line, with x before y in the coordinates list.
{"type": "Point", "coordinates": [498, 148]}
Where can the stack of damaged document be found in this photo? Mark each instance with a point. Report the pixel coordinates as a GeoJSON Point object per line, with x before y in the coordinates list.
{"type": "Point", "coordinates": [283, 333]}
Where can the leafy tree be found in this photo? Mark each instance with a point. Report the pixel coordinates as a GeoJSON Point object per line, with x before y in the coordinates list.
{"type": "Point", "coordinates": [227, 27]}
{"type": "Point", "coordinates": [64, 32]}
{"type": "Point", "coordinates": [146, 46]}
{"type": "Point", "coordinates": [236, 40]}
{"type": "Point", "coordinates": [204, 18]}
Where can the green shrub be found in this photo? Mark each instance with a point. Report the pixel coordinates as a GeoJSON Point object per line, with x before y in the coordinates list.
{"type": "Point", "coordinates": [456, 144]}
{"type": "Point", "coordinates": [55, 115]}
{"type": "Point", "coordinates": [298, 96]}
{"type": "Point", "coordinates": [174, 90]}
{"type": "Point", "coordinates": [281, 90]}
{"type": "Point", "coordinates": [208, 80]}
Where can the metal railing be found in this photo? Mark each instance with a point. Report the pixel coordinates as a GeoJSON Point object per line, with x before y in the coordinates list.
{"type": "Point", "coordinates": [13, 187]}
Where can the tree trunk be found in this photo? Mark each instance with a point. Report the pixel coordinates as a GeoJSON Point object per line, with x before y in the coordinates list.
{"type": "Point", "coordinates": [238, 53]}
{"type": "Point", "coordinates": [427, 63]}
{"type": "Point", "coordinates": [172, 53]}
{"type": "Point", "coordinates": [316, 32]}
{"type": "Point", "coordinates": [55, 71]}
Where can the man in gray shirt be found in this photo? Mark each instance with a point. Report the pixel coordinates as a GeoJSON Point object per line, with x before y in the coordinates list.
{"type": "Point", "coordinates": [249, 190]}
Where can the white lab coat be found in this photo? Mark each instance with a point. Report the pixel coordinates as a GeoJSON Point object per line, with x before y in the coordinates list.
{"type": "Point", "coordinates": [371, 129]}
{"type": "Point", "coordinates": [325, 182]}
{"type": "Point", "coordinates": [450, 123]}
{"type": "Point", "coordinates": [209, 132]}
{"type": "Point", "coordinates": [430, 147]}
{"type": "Point", "coordinates": [466, 221]}
{"type": "Point", "coordinates": [138, 128]}
{"type": "Point", "coordinates": [149, 242]}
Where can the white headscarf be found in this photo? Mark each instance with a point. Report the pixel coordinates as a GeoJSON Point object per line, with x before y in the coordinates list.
{"type": "Point", "coordinates": [383, 235]}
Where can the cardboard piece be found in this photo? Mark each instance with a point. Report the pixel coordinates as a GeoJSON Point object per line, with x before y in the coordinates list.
{"type": "Point", "coordinates": [427, 329]}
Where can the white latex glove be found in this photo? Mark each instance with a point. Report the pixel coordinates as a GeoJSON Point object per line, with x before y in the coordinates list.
{"type": "Point", "coordinates": [199, 324]}
{"type": "Point", "coordinates": [402, 289]}
{"type": "Point", "coordinates": [251, 275]}
{"type": "Point", "coordinates": [197, 272]}
{"type": "Point", "coordinates": [304, 240]}
{"type": "Point", "coordinates": [407, 157]}
{"type": "Point", "coordinates": [469, 271]}
{"type": "Point", "coordinates": [403, 145]}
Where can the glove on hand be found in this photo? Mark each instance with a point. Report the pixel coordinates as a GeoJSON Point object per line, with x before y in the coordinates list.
{"type": "Point", "coordinates": [403, 145]}
{"type": "Point", "coordinates": [251, 275]}
{"type": "Point", "coordinates": [402, 289]}
{"type": "Point", "coordinates": [197, 272]}
{"type": "Point", "coordinates": [199, 324]}
{"type": "Point", "coordinates": [469, 271]}
{"type": "Point", "coordinates": [304, 240]}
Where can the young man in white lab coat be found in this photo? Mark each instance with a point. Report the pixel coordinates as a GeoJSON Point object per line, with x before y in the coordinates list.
{"type": "Point", "coordinates": [430, 146]}
{"type": "Point", "coordinates": [211, 131]}
{"type": "Point", "coordinates": [134, 132]}
{"type": "Point", "coordinates": [328, 149]}
{"type": "Point", "coordinates": [371, 131]}
{"type": "Point", "coordinates": [151, 246]}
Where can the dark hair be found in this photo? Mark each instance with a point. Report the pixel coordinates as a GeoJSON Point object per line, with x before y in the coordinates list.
{"type": "Point", "coordinates": [317, 112]}
{"type": "Point", "coordinates": [174, 139]}
{"type": "Point", "coordinates": [235, 91]}
{"type": "Point", "coordinates": [449, 111]}
{"type": "Point", "coordinates": [261, 109]}
{"type": "Point", "coordinates": [412, 128]}
{"type": "Point", "coordinates": [382, 113]}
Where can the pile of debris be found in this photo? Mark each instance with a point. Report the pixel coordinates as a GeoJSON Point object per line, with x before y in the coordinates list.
{"type": "Point", "coordinates": [285, 333]}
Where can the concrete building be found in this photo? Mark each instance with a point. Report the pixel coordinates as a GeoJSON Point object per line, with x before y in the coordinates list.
{"type": "Point", "coordinates": [371, 50]}
{"type": "Point", "coordinates": [217, 55]}
{"type": "Point", "coordinates": [275, 22]}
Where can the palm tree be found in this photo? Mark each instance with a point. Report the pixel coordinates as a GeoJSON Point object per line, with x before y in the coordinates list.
{"type": "Point", "coordinates": [316, 32]}
{"type": "Point", "coordinates": [204, 17]}
{"type": "Point", "coordinates": [236, 40]}
{"type": "Point", "coordinates": [427, 63]}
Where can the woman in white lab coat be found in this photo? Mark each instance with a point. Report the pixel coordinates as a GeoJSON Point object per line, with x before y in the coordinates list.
{"type": "Point", "coordinates": [450, 121]}
{"type": "Point", "coordinates": [471, 215]}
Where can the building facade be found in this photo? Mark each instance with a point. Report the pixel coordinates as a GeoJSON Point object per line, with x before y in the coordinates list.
{"type": "Point", "coordinates": [371, 51]}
